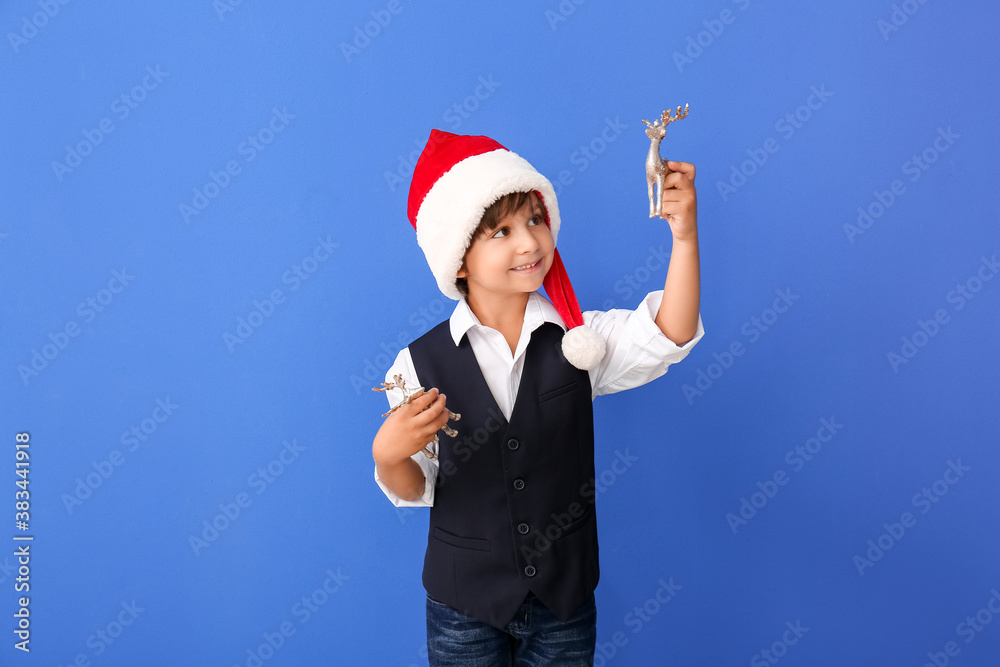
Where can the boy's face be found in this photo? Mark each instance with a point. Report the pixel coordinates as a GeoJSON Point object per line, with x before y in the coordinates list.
{"type": "Point", "coordinates": [513, 258]}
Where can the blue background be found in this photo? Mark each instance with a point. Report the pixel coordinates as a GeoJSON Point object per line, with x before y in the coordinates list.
{"type": "Point", "coordinates": [351, 109]}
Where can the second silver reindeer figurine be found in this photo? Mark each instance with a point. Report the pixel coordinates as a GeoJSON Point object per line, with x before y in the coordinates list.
{"type": "Point", "coordinates": [656, 167]}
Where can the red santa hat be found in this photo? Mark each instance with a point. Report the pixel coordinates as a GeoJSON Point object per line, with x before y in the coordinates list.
{"type": "Point", "coordinates": [455, 180]}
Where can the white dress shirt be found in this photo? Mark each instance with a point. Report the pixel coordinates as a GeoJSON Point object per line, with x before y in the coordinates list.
{"type": "Point", "coordinates": [637, 352]}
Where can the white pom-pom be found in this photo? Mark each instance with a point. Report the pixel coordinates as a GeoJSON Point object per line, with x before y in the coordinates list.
{"type": "Point", "coordinates": [583, 347]}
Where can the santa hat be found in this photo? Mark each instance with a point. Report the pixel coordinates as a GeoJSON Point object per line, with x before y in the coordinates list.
{"type": "Point", "coordinates": [455, 180]}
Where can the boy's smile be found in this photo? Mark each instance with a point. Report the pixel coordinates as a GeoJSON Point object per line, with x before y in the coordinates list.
{"type": "Point", "coordinates": [511, 259]}
{"type": "Point", "coordinates": [528, 267]}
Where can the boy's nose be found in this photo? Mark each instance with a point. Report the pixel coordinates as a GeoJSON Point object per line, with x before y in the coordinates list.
{"type": "Point", "coordinates": [526, 241]}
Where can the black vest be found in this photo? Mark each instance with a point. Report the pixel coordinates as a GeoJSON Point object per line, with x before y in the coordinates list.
{"type": "Point", "coordinates": [514, 502]}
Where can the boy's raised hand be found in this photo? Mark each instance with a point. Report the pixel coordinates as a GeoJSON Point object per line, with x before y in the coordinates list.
{"type": "Point", "coordinates": [680, 201]}
{"type": "Point", "coordinates": [677, 317]}
{"type": "Point", "coordinates": [409, 428]}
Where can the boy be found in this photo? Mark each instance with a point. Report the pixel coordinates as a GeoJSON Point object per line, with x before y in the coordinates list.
{"type": "Point", "coordinates": [512, 557]}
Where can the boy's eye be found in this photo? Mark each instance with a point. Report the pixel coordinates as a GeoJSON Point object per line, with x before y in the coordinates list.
{"type": "Point", "coordinates": [536, 220]}
{"type": "Point", "coordinates": [500, 233]}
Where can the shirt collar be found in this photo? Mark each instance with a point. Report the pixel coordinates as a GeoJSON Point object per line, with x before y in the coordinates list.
{"type": "Point", "coordinates": [538, 311]}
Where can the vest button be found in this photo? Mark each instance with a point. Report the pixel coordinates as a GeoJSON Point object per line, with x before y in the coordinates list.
{"type": "Point", "coordinates": [523, 528]}
{"type": "Point", "coordinates": [530, 571]}
{"type": "Point", "coordinates": [513, 444]}
{"type": "Point", "coordinates": [519, 484]}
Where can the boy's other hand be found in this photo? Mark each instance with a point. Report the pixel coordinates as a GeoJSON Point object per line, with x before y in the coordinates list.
{"type": "Point", "coordinates": [680, 201]}
{"type": "Point", "coordinates": [408, 430]}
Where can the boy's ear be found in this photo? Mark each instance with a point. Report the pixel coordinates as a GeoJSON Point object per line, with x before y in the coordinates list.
{"type": "Point", "coordinates": [462, 271]}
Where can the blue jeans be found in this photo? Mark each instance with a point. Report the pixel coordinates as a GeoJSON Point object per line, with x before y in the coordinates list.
{"type": "Point", "coordinates": [534, 637]}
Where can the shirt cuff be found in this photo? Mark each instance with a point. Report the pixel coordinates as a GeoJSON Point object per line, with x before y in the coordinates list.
{"type": "Point", "coordinates": [647, 335]}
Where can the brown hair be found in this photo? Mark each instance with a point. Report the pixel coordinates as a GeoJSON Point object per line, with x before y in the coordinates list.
{"type": "Point", "coordinates": [497, 211]}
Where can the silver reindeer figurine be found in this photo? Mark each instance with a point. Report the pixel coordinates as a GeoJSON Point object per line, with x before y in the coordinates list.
{"type": "Point", "coordinates": [656, 167]}
{"type": "Point", "coordinates": [410, 395]}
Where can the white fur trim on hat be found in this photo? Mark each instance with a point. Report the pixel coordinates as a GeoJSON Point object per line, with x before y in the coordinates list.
{"type": "Point", "coordinates": [454, 206]}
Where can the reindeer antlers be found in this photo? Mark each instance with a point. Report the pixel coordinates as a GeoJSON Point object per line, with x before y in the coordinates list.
{"type": "Point", "coordinates": [666, 118]}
